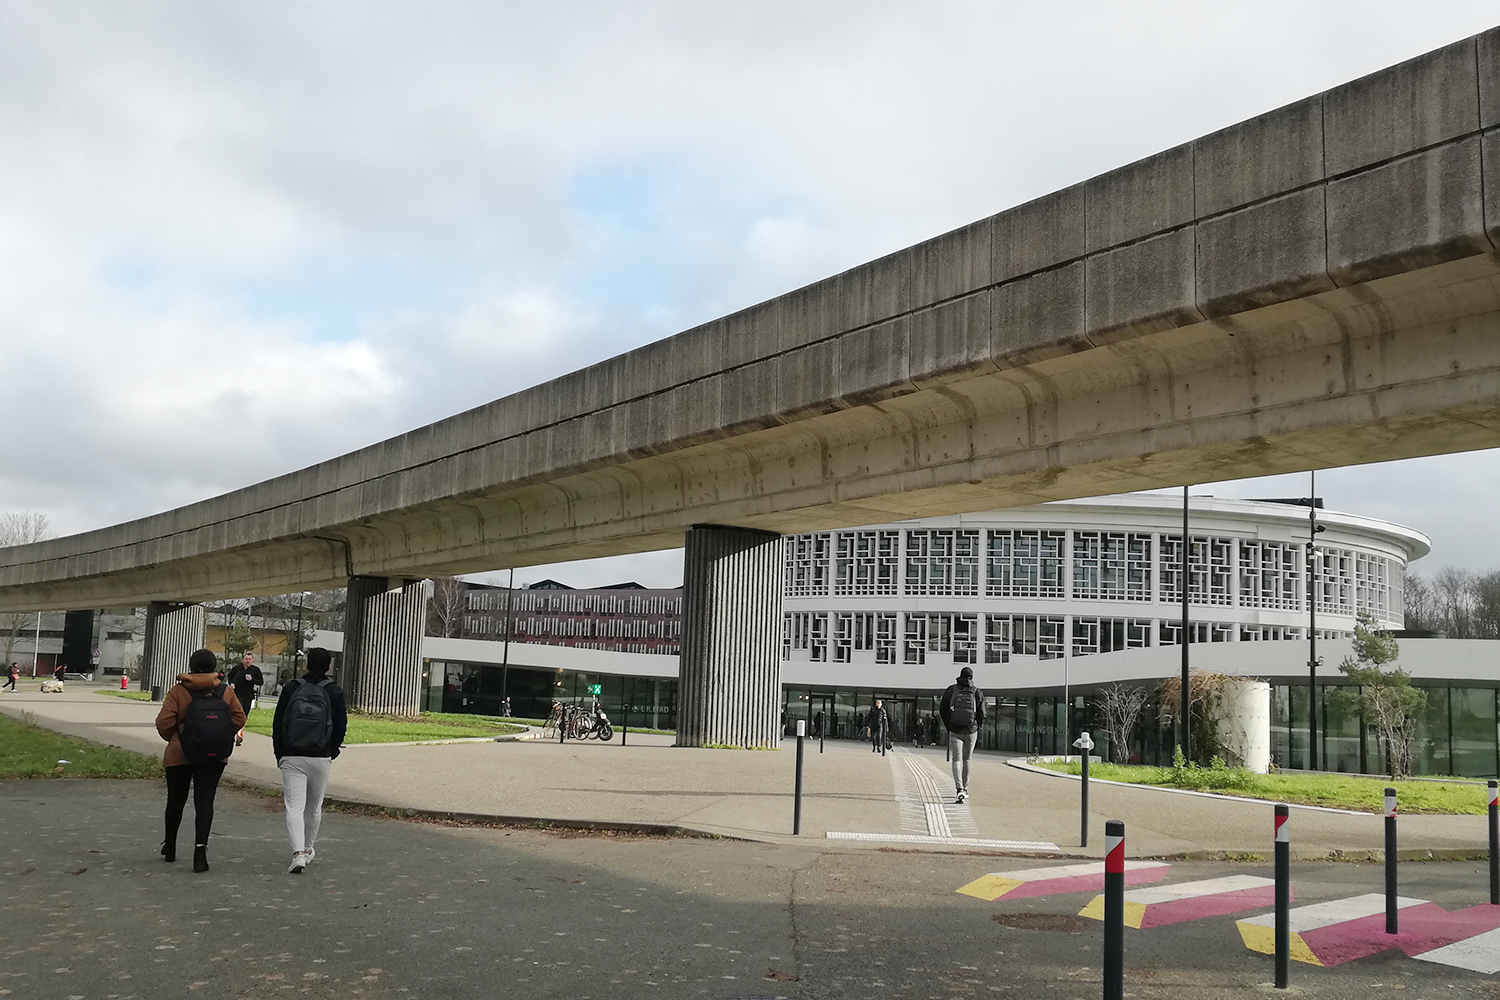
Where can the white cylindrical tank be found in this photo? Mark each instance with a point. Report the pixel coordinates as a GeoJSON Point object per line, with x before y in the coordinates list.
{"type": "Point", "coordinates": [1244, 720]}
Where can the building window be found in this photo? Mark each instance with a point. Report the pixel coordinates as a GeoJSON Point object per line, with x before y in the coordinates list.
{"type": "Point", "coordinates": [806, 559]}
{"type": "Point", "coordinates": [942, 562]}
{"type": "Point", "coordinates": [997, 638]}
{"type": "Point", "coordinates": [1106, 635]}
{"type": "Point", "coordinates": [1334, 586]}
{"type": "Point", "coordinates": [1025, 635]}
{"type": "Point", "coordinates": [1270, 575]}
{"type": "Point", "coordinates": [1112, 565]}
{"type": "Point", "coordinates": [1372, 585]}
{"type": "Point", "coordinates": [1268, 633]}
{"type": "Point", "coordinates": [808, 632]}
{"type": "Point", "coordinates": [1210, 564]}
{"type": "Point", "coordinates": [885, 638]}
{"type": "Point", "coordinates": [915, 647]}
{"type": "Point", "coordinates": [866, 563]}
{"type": "Point", "coordinates": [1170, 632]}
{"type": "Point", "coordinates": [944, 633]}
{"type": "Point", "coordinates": [1025, 563]}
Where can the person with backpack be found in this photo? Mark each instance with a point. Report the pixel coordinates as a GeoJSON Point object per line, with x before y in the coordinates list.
{"type": "Point", "coordinates": [962, 709]}
{"type": "Point", "coordinates": [307, 734]}
{"type": "Point", "coordinates": [199, 718]}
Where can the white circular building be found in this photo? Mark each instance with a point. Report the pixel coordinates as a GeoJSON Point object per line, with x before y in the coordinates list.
{"type": "Point", "coordinates": [1025, 596]}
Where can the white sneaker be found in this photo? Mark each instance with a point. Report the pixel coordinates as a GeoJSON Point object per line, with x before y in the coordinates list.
{"type": "Point", "coordinates": [963, 797]}
{"type": "Point", "coordinates": [299, 862]}
{"type": "Point", "coordinates": [311, 853]}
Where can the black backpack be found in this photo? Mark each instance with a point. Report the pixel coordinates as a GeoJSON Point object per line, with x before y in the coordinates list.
{"type": "Point", "coordinates": [207, 730]}
{"type": "Point", "coordinates": [307, 726]}
{"type": "Point", "coordinates": [961, 711]}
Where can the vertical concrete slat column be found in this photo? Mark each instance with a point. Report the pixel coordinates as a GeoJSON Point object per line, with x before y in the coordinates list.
{"type": "Point", "coordinates": [174, 631]}
{"type": "Point", "coordinates": [383, 625]}
{"type": "Point", "coordinates": [730, 675]}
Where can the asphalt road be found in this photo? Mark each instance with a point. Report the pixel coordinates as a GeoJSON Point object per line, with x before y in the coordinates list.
{"type": "Point", "coordinates": [394, 908]}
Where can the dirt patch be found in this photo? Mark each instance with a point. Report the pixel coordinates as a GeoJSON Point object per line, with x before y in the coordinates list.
{"type": "Point", "coordinates": [1046, 922]}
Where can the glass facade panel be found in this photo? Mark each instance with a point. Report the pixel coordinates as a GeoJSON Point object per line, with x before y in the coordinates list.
{"type": "Point", "coordinates": [1473, 728]}
{"type": "Point", "coordinates": [1339, 730]}
{"type": "Point", "coordinates": [1432, 752]}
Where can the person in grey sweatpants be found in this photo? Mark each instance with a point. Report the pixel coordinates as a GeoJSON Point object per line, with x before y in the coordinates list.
{"type": "Point", "coordinates": [962, 709]}
{"type": "Point", "coordinates": [305, 760]}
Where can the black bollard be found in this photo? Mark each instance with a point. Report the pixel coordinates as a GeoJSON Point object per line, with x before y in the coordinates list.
{"type": "Point", "coordinates": [797, 795]}
{"type": "Point", "coordinates": [1494, 843]}
{"type": "Point", "coordinates": [1086, 744]}
{"type": "Point", "coordinates": [1283, 841]}
{"type": "Point", "coordinates": [1391, 919]}
{"type": "Point", "coordinates": [624, 732]}
{"type": "Point", "coordinates": [1114, 910]}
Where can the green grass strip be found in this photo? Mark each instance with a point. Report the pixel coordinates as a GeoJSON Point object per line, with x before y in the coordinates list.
{"type": "Point", "coordinates": [395, 729]}
{"type": "Point", "coordinates": [132, 695]}
{"type": "Point", "coordinates": [1336, 791]}
{"type": "Point", "coordinates": [29, 751]}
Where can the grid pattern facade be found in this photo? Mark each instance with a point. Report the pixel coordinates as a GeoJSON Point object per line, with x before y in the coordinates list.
{"type": "Point", "coordinates": [629, 621]}
{"type": "Point", "coordinates": [1001, 579]}
{"type": "Point", "coordinates": [1022, 563]}
{"type": "Point", "coordinates": [942, 563]}
{"type": "Point", "coordinates": [1112, 565]}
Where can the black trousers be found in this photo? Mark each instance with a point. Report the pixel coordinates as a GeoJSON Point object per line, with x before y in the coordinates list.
{"type": "Point", "coordinates": [204, 781]}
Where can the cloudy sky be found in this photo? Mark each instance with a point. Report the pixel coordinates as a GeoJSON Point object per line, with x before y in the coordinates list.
{"type": "Point", "coordinates": [238, 238]}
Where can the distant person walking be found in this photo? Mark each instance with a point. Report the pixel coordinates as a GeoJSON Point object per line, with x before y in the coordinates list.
{"type": "Point", "coordinates": [307, 734]}
{"type": "Point", "coordinates": [60, 672]}
{"type": "Point", "coordinates": [199, 718]}
{"type": "Point", "coordinates": [245, 677]}
{"type": "Point", "coordinates": [877, 721]}
{"type": "Point", "coordinates": [13, 675]}
{"type": "Point", "coordinates": [962, 709]}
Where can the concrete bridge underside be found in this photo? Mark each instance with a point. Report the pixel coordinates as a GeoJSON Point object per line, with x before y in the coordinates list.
{"type": "Point", "coordinates": [1399, 367]}
{"type": "Point", "coordinates": [1315, 287]}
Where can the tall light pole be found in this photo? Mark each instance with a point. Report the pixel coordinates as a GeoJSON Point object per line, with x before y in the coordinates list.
{"type": "Point", "coordinates": [510, 590]}
{"type": "Point", "coordinates": [1187, 632]}
{"type": "Point", "coordinates": [1313, 528]}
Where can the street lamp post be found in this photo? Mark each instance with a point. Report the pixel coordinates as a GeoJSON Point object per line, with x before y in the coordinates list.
{"type": "Point", "coordinates": [1187, 631]}
{"type": "Point", "coordinates": [1313, 528]}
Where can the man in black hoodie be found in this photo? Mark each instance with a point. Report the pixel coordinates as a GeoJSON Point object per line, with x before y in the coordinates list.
{"type": "Point", "coordinates": [962, 709]}
{"type": "Point", "coordinates": [307, 734]}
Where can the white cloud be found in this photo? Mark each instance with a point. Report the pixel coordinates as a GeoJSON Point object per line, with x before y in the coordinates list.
{"type": "Point", "coordinates": [239, 238]}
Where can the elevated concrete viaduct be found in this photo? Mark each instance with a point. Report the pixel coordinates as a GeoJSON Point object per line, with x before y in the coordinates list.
{"type": "Point", "coordinates": [1311, 288]}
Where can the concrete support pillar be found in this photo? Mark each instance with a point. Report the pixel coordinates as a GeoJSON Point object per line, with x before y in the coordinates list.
{"type": "Point", "coordinates": [174, 631]}
{"type": "Point", "coordinates": [730, 680]}
{"type": "Point", "coordinates": [383, 626]}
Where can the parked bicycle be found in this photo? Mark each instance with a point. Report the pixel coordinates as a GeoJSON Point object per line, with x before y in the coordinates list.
{"type": "Point", "coordinates": [571, 722]}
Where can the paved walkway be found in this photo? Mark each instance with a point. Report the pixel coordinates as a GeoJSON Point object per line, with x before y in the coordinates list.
{"type": "Point", "coordinates": [852, 797]}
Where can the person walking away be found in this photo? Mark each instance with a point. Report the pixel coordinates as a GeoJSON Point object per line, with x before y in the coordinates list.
{"type": "Point", "coordinates": [245, 677]}
{"type": "Point", "coordinates": [60, 672]}
{"type": "Point", "coordinates": [876, 722]}
{"type": "Point", "coordinates": [14, 675]}
{"type": "Point", "coordinates": [962, 709]}
{"type": "Point", "coordinates": [307, 734]}
{"type": "Point", "coordinates": [199, 717]}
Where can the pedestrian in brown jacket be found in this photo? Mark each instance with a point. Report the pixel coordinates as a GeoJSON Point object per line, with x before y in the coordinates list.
{"type": "Point", "coordinates": [201, 683]}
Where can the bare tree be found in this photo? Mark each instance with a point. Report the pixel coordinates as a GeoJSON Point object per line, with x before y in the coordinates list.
{"type": "Point", "coordinates": [1122, 707]}
{"type": "Point", "coordinates": [446, 607]}
{"type": "Point", "coordinates": [19, 529]}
